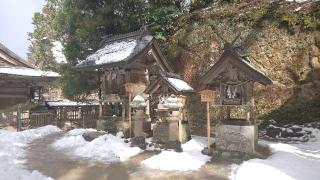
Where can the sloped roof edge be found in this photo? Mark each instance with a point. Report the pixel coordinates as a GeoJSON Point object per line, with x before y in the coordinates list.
{"type": "Point", "coordinates": [15, 56]}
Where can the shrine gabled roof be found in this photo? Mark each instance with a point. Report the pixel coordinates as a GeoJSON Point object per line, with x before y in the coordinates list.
{"type": "Point", "coordinates": [121, 50]}
{"type": "Point", "coordinates": [12, 66]}
{"type": "Point", "coordinates": [12, 59]}
{"type": "Point", "coordinates": [231, 56]}
{"type": "Point", "coordinates": [173, 81]}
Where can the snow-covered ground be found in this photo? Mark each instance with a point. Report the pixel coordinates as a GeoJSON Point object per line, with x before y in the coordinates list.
{"type": "Point", "coordinates": [288, 162]}
{"type": "Point", "coordinates": [191, 159]}
{"type": "Point", "coordinates": [12, 153]}
{"type": "Point", "coordinates": [105, 149]}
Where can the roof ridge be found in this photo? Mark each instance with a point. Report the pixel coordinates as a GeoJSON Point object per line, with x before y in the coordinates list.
{"type": "Point", "coordinates": [116, 37]}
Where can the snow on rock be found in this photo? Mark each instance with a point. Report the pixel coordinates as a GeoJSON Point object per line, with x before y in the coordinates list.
{"type": "Point", "coordinates": [180, 84]}
{"type": "Point", "coordinates": [106, 149]}
{"type": "Point", "coordinates": [57, 51]}
{"type": "Point", "coordinates": [114, 52]}
{"type": "Point", "coordinates": [288, 161]}
{"type": "Point", "coordinates": [23, 71]}
{"type": "Point", "coordinates": [191, 159]}
{"type": "Point", "coordinates": [12, 152]}
{"type": "Point", "coordinates": [72, 139]}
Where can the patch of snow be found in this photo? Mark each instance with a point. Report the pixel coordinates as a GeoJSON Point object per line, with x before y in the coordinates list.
{"type": "Point", "coordinates": [105, 149]}
{"type": "Point", "coordinates": [13, 150]}
{"type": "Point", "coordinates": [70, 103]}
{"type": "Point", "coordinates": [23, 71]}
{"type": "Point", "coordinates": [191, 159]}
{"type": "Point", "coordinates": [297, 1]}
{"type": "Point", "coordinates": [72, 139]}
{"type": "Point", "coordinates": [113, 52]}
{"type": "Point", "coordinates": [297, 9]}
{"type": "Point", "coordinates": [57, 51]}
{"type": "Point", "coordinates": [288, 161]}
{"type": "Point", "coordinates": [171, 102]}
{"type": "Point", "coordinates": [180, 84]}
{"type": "Point", "coordinates": [203, 141]}
{"type": "Point", "coordinates": [185, 5]}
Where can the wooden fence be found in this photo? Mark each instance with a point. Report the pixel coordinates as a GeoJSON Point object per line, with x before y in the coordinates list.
{"type": "Point", "coordinates": [42, 119]}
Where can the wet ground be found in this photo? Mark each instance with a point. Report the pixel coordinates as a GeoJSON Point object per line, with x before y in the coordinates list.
{"type": "Point", "coordinates": [56, 164]}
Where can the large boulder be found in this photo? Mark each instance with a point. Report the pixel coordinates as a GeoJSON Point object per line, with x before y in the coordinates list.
{"type": "Point", "coordinates": [287, 132]}
{"type": "Point", "coordinates": [296, 128]}
{"type": "Point", "coordinates": [273, 131]}
{"type": "Point", "coordinates": [91, 135]}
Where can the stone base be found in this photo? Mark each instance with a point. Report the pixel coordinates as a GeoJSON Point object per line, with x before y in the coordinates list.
{"type": "Point", "coordinates": [138, 142]}
{"type": "Point", "coordinates": [237, 138]}
{"type": "Point", "coordinates": [261, 152]}
{"type": "Point", "coordinates": [186, 135]}
{"type": "Point", "coordinates": [175, 145]}
{"type": "Point", "coordinates": [165, 131]}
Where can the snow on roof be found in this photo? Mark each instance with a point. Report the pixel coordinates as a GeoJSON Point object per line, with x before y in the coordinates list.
{"type": "Point", "coordinates": [180, 84]}
{"type": "Point", "coordinates": [117, 50]}
{"type": "Point", "coordinates": [23, 71]}
{"type": "Point", "coordinates": [57, 51]}
{"type": "Point", "coordinates": [114, 52]}
{"type": "Point", "coordinates": [70, 103]}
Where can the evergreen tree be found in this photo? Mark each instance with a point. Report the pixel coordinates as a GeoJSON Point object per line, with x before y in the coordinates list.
{"type": "Point", "coordinates": [80, 25]}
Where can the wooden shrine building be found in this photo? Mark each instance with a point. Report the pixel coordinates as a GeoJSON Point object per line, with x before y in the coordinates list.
{"type": "Point", "coordinates": [127, 62]}
{"type": "Point", "coordinates": [20, 81]}
{"type": "Point", "coordinates": [232, 80]}
{"type": "Point", "coordinates": [171, 124]}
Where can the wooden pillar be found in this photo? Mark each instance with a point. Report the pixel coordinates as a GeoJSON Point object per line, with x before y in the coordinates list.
{"type": "Point", "coordinates": [101, 85]}
{"type": "Point", "coordinates": [208, 126]}
{"type": "Point", "coordinates": [129, 114]}
{"type": "Point", "coordinates": [129, 89]}
{"type": "Point", "coordinates": [123, 110]}
{"type": "Point", "coordinates": [208, 96]}
{"type": "Point", "coordinates": [19, 119]}
{"type": "Point", "coordinates": [180, 124]}
{"type": "Point", "coordinates": [228, 112]}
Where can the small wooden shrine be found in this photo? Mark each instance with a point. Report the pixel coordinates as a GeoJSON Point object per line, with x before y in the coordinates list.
{"type": "Point", "coordinates": [232, 79]}
{"type": "Point", "coordinates": [172, 91]}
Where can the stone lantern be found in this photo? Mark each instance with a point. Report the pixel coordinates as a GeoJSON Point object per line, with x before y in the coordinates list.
{"type": "Point", "coordinates": [138, 105]}
{"type": "Point", "coordinates": [168, 112]}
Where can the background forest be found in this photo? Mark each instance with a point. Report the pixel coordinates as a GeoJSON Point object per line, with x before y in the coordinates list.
{"type": "Point", "coordinates": [281, 37]}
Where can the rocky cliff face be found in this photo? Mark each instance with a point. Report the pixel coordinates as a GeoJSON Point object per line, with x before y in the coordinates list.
{"type": "Point", "coordinates": [282, 38]}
